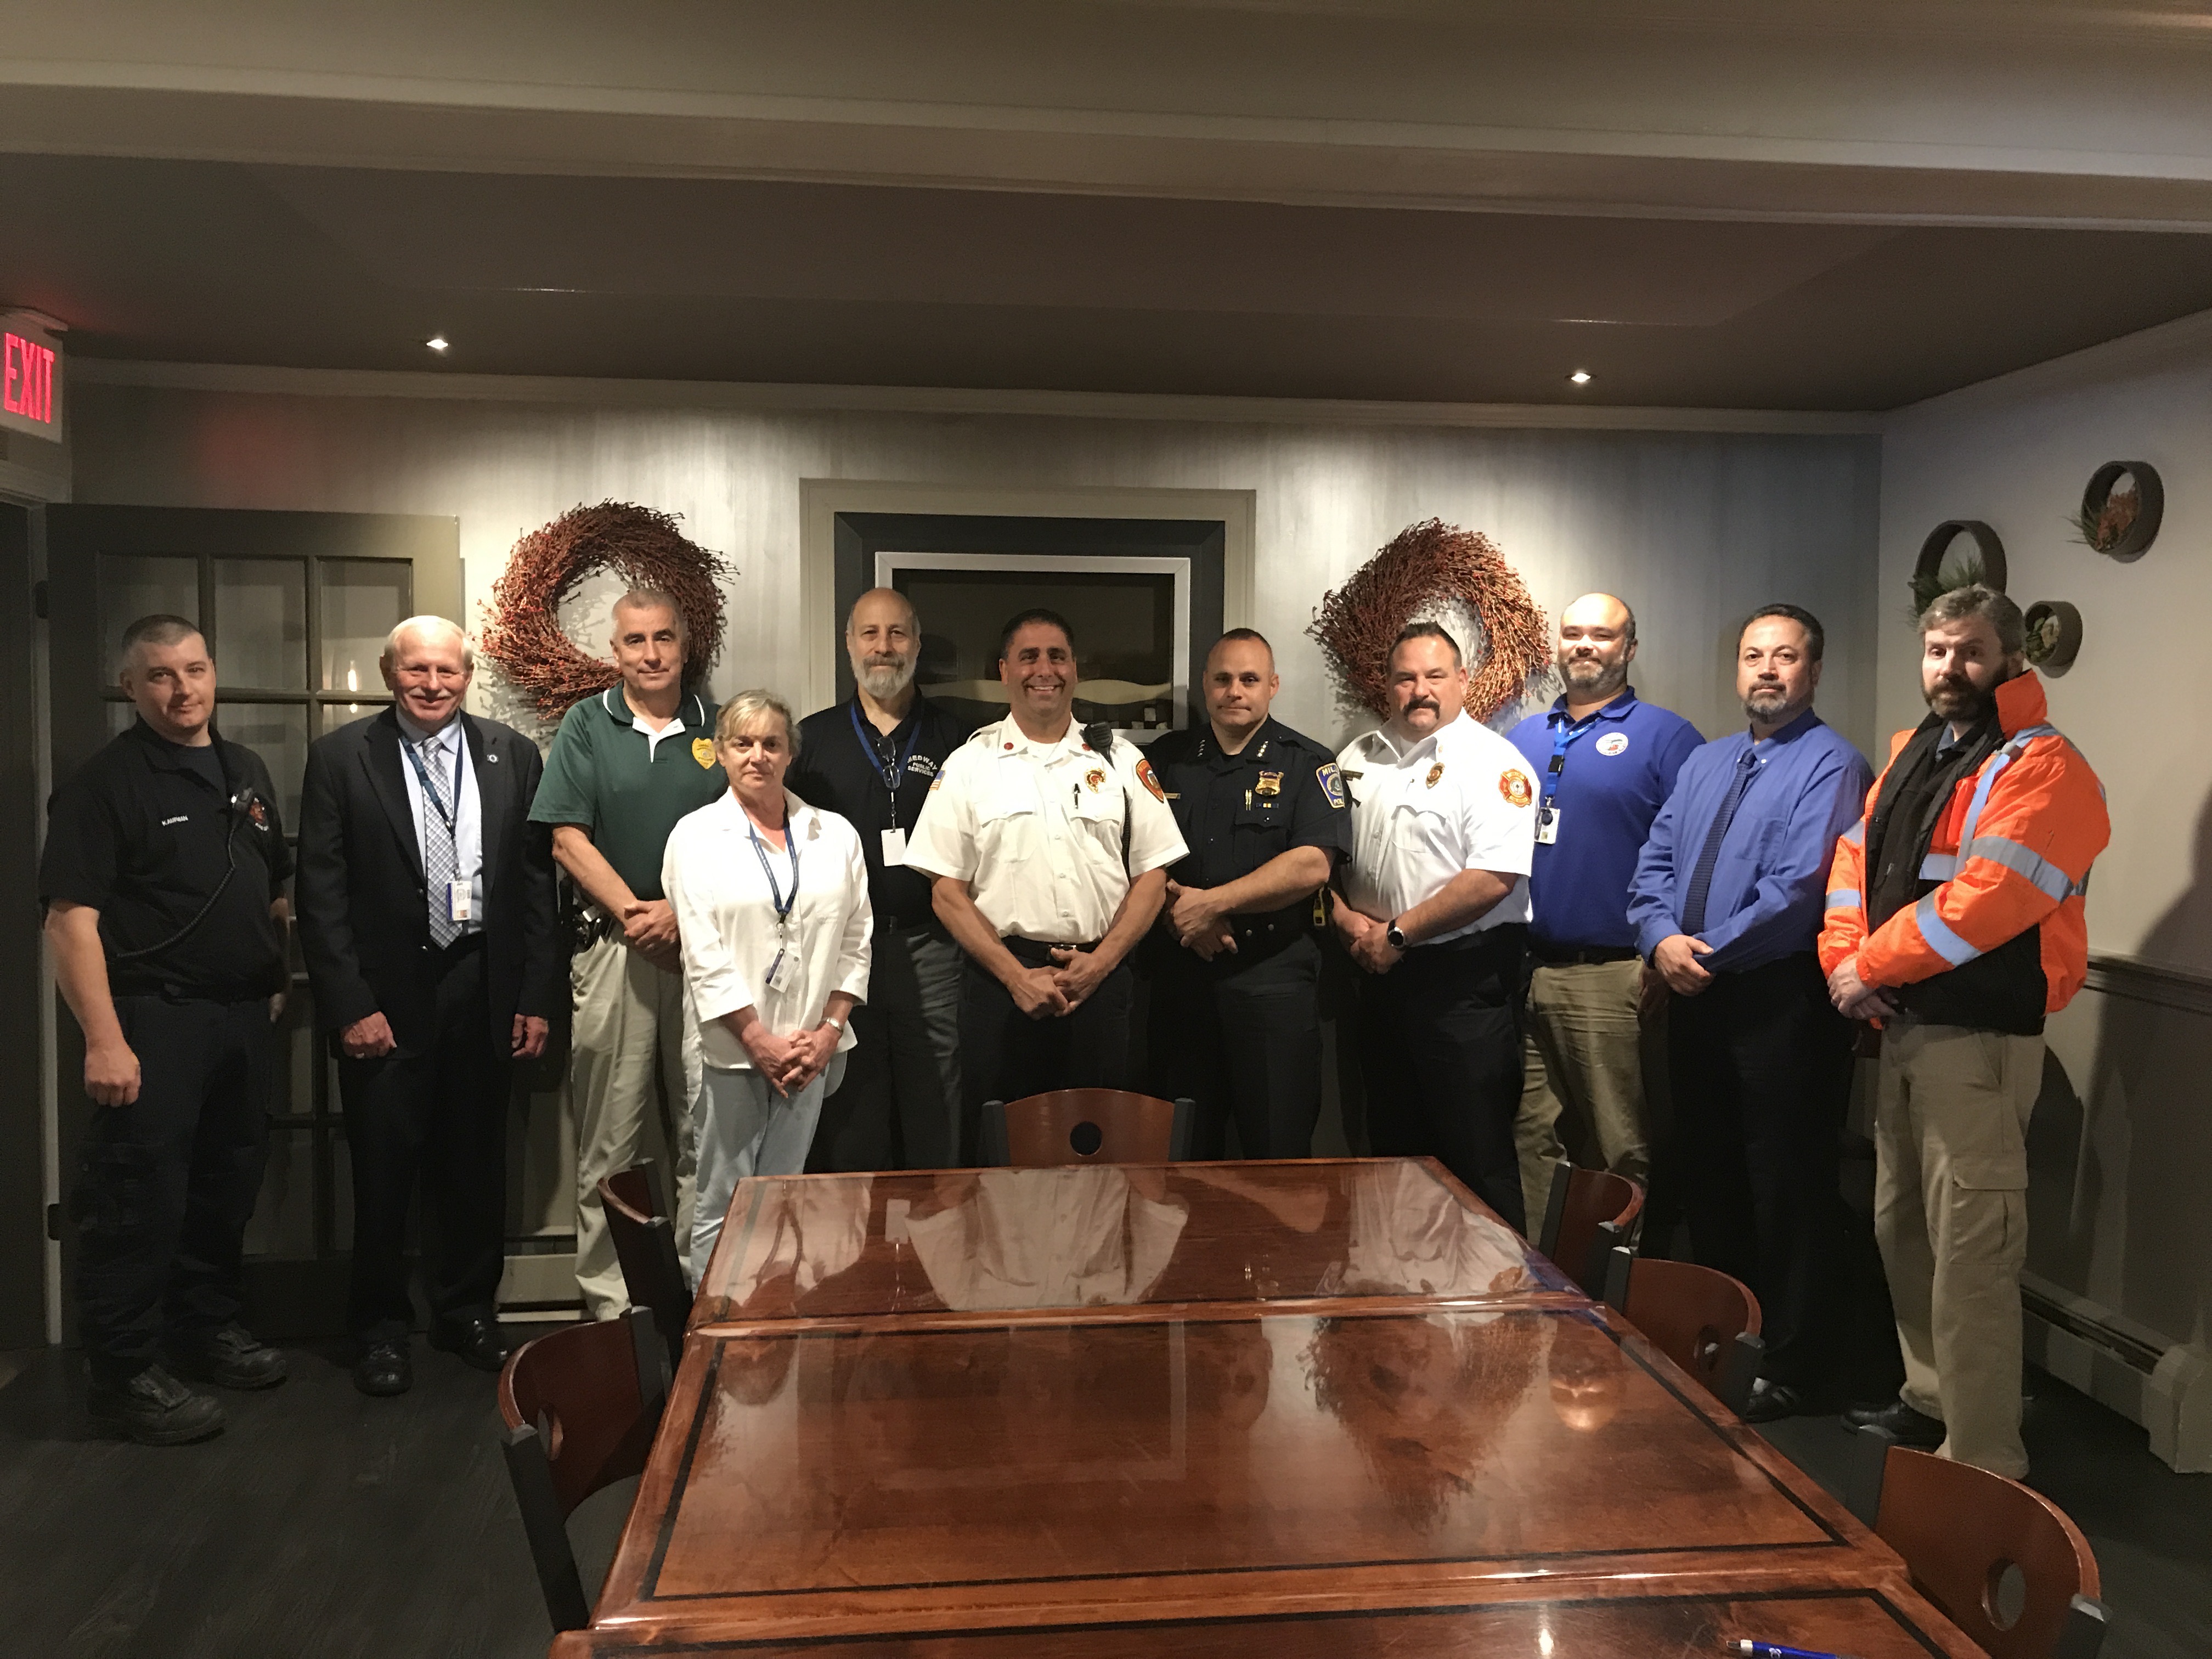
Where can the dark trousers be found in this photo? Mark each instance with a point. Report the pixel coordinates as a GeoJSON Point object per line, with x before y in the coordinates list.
{"type": "Point", "coordinates": [1007, 1055]}
{"type": "Point", "coordinates": [898, 1107]}
{"type": "Point", "coordinates": [168, 1182]}
{"type": "Point", "coordinates": [1762, 1077]}
{"type": "Point", "coordinates": [1440, 1056]}
{"type": "Point", "coordinates": [439, 1114]}
{"type": "Point", "coordinates": [1243, 1041]}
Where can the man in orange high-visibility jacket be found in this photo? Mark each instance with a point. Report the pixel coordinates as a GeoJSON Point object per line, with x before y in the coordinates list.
{"type": "Point", "coordinates": [1955, 918]}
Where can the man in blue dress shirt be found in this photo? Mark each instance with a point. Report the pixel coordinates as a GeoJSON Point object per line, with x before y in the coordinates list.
{"type": "Point", "coordinates": [1605, 763]}
{"type": "Point", "coordinates": [1727, 906]}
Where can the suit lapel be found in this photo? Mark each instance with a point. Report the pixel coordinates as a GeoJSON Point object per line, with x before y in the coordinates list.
{"type": "Point", "coordinates": [491, 798]}
{"type": "Point", "coordinates": [383, 760]}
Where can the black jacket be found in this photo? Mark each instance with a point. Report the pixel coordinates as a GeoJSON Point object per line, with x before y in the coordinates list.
{"type": "Point", "coordinates": [360, 892]}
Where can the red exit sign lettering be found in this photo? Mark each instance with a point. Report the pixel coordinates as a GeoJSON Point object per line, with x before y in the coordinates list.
{"type": "Point", "coordinates": [31, 370]}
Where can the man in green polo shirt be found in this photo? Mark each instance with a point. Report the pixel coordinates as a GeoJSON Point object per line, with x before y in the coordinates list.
{"type": "Point", "coordinates": [626, 764]}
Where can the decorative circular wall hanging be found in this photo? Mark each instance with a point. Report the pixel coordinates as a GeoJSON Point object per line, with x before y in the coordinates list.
{"type": "Point", "coordinates": [2121, 523]}
{"type": "Point", "coordinates": [2054, 635]}
{"type": "Point", "coordinates": [522, 629]}
{"type": "Point", "coordinates": [1426, 564]}
{"type": "Point", "coordinates": [1986, 564]}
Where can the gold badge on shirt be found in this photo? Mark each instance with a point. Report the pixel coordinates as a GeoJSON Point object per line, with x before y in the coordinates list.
{"type": "Point", "coordinates": [1270, 783]}
{"type": "Point", "coordinates": [1094, 777]}
{"type": "Point", "coordinates": [702, 750]}
{"type": "Point", "coordinates": [1436, 775]}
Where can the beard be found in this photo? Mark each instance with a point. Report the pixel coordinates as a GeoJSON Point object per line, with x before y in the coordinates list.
{"type": "Point", "coordinates": [1587, 674]}
{"type": "Point", "coordinates": [881, 679]}
{"type": "Point", "coordinates": [1957, 699]}
{"type": "Point", "coordinates": [1765, 701]}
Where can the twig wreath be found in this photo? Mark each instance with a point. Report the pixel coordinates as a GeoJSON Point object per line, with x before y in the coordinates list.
{"type": "Point", "coordinates": [1425, 565]}
{"type": "Point", "coordinates": [522, 629]}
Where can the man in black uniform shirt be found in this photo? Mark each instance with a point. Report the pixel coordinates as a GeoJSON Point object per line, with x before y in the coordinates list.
{"type": "Point", "coordinates": [163, 881]}
{"type": "Point", "coordinates": [1234, 960]}
{"type": "Point", "coordinates": [871, 761]}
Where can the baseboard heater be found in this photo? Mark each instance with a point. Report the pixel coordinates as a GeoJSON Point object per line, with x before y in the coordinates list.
{"type": "Point", "coordinates": [2164, 1386]}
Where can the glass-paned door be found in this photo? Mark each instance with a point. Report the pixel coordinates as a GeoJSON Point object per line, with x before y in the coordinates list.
{"type": "Point", "coordinates": [295, 608]}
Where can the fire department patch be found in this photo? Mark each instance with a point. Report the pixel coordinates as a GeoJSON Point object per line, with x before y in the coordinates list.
{"type": "Point", "coordinates": [1144, 776]}
{"type": "Point", "coordinates": [1513, 784]}
{"type": "Point", "coordinates": [1436, 775]}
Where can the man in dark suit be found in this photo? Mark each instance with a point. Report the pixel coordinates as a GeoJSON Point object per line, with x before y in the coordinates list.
{"type": "Point", "coordinates": [426, 914]}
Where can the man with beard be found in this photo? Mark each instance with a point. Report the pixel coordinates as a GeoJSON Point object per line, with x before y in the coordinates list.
{"type": "Point", "coordinates": [626, 764]}
{"type": "Point", "coordinates": [1606, 761]}
{"type": "Point", "coordinates": [1234, 965]}
{"type": "Point", "coordinates": [1727, 906]}
{"type": "Point", "coordinates": [1956, 919]}
{"type": "Point", "coordinates": [872, 761]}
{"type": "Point", "coordinates": [1049, 845]}
{"type": "Point", "coordinates": [1435, 910]}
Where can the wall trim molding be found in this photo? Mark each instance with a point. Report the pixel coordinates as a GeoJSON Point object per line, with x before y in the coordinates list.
{"type": "Point", "coordinates": [770, 396]}
{"type": "Point", "coordinates": [821, 500]}
{"type": "Point", "coordinates": [2139, 981]}
{"type": "Point", "coordinates": [2165, 1386]}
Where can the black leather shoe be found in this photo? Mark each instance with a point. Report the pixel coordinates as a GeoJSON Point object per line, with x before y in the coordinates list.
{"type": "Point", "coordinates": [1771, 1401]}
{"type": "Point", "coordinates": [230, 1357]}
{"type": "Point", "coordinates": [477, 1341]}
{"type": "Point", "coordinates": [154, 1409]}
{"type": "Point", "coordinates": [1908, 1427]}
{"type": "Point", "coordinates": [383, 1368]}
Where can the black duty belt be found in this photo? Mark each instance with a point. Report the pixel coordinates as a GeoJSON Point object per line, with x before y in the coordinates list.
{"type": "Point", "coordinates": [1579, 956]}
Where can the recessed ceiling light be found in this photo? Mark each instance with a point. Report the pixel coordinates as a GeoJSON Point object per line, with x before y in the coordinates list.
{"type": "Point", "coordinates": [1580, 377]}
{"type": "Point", "coordinates": [439, 342]}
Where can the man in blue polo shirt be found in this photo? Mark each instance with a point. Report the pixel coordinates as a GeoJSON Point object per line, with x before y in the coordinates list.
{"type": "Point", "coordinates": [1605, 763]}
{"type": "Point", "coordinates": [1727, 905]}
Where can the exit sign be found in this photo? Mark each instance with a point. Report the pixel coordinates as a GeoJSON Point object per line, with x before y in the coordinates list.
{"type": "Point", "coordinates": [30, 375]}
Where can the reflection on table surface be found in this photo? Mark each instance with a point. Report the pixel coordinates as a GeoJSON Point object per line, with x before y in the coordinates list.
{"type": "Point", "coordinates": [1627, 1621]}
{"type": "Point", "coordinates": [1476, 1443]}
{"type": "Point", "coordinates": [1109, 1236]}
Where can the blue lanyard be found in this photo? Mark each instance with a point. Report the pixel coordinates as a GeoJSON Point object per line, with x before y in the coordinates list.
{"type": "Point", "coordinates": [431, 789]}
{"type": "Point", "coordinates": [776, 893]}
{"type": "Point", "coordinates": [891, 771]}
{"type": "Point", "coordinates": [1564, 733]}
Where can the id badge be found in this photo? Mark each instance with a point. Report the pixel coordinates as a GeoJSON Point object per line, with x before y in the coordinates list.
{"type": "Point", "coordinates": [457, 901]}
{"type": "Point", "coordinates": [782, 971]}
{"type": "Point", "coordinates": [1547, 826]}
{"type": "Point", "coordinates": [894, 848]}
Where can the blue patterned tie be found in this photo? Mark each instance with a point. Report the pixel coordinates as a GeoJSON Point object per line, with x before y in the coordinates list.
{"type": "Point", "coordinates": [1701, 878]}
{"type": "Point", "coordinates": [440, 862]}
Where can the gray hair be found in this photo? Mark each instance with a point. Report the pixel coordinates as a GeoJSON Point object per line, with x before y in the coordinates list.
{"type": "Point", "coordinates": [749, 706]}
{"type": "Point", "coordinates": [160, 628]}
{"type": "Point", "coordinates": [1961, 604]}
{"type": "Point", "coordinates": [652, 598]}
{"type": "Point", "coordinates": [429, 628]}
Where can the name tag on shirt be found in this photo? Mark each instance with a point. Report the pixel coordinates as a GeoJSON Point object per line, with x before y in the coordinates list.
{"type": "Point", "coordinates": [783, 968]}
{"type": "Point", "coordinates": [457, 901]}
{"type": "Point", "coordinates": [1547, 826]}
{"type": "Point", "coordinates": [894, 848]}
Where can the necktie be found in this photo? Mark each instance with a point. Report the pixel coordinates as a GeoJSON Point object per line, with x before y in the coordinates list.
{"type": "Point", "coordinates": [440, 863]}
{"type": "Point", "coordinates": [1701, 878]}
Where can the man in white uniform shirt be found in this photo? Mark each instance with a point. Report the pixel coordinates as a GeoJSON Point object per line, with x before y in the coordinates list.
{"type": "Point", "coordinates": [1048, 844]}
{"type": "Point", "coordinates": [1434, 909]}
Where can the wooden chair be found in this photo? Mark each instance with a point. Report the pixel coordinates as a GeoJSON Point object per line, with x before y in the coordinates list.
{"type": "Point", "coordinates": [1591, 1214]}
{"type": "Point", "coordinates": [1962, 1530]}
{"type": "Point", "coordinates": [1704, 1321]}
{"type": "Point", "coordinates": [1086, 1126]}
{"type": "Point", "coordinates": [645, 1244]}
{"type": "Point", "coordinates": [578, 1409]}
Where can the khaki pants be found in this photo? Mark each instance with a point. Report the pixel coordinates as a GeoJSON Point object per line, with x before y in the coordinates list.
{"type": "Point", "coordinates": [633, 1072]}
{"type": "Point", "coordinates": [1951, 1216]}
{"type": "Point", "coordinates": [1581, 1079]}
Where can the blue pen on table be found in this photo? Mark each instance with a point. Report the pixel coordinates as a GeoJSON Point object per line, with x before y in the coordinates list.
{"type": "Point", "coordinates": [1774, 1651]}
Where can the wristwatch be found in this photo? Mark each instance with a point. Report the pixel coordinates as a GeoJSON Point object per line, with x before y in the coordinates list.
{"type": "Point", "coordinates": [1395, 934]}
{"type": "Point", "coordinates": [834, 1023]}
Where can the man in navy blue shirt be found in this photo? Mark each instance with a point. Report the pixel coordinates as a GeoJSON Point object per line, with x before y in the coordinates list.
{"type": "Point", "coordinates": [1605, 763]}
{"type": "Point", "coordinates": [1727, 905]}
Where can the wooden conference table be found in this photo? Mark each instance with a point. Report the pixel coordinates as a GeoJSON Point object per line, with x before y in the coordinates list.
{"type": "Point", "coordinates": [1220, 1409]}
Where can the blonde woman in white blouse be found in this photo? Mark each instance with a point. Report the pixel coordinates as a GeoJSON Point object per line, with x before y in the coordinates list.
{"type": "Point", "coordinates": [771, 900]}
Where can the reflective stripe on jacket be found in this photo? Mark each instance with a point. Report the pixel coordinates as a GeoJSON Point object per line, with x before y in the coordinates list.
{"type": "Point", "coordinates": [2011, 851]}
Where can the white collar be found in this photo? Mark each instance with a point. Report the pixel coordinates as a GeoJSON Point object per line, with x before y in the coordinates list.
{"type": "Point", "coordinates": [799, 818]}
{"type": "Point", "coordinates": [415, 737]}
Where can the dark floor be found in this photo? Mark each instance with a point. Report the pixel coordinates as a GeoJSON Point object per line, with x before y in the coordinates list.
{"type": "Point", "coordinates": [323, 1523]}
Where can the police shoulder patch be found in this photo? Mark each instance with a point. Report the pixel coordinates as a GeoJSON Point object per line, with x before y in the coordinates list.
{"type": "Point", "coordinates": [1332, 783]}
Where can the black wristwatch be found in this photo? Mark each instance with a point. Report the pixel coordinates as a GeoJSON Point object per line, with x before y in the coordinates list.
{"type": "Point", "coordinates": [1395, 934]}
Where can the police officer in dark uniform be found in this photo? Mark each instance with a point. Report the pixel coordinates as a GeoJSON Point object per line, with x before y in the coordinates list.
{"type": "Point", "coordinates": [163, 881]}
{"type": "Point", "coordinates": [1235, 961]}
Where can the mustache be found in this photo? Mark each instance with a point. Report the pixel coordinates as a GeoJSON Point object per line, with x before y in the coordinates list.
{"type": "Point", "coordinates": [1424, 701]}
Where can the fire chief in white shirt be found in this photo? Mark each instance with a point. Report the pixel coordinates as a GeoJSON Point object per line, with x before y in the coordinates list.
{"type": "Point", "coordinates": [1434, 909]}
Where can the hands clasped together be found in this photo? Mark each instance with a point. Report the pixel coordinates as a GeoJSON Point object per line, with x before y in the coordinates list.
{"type": "Point", "coordinates": [1059, 988]}
{"type": "Point", "coordinates": [789, 1063]}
